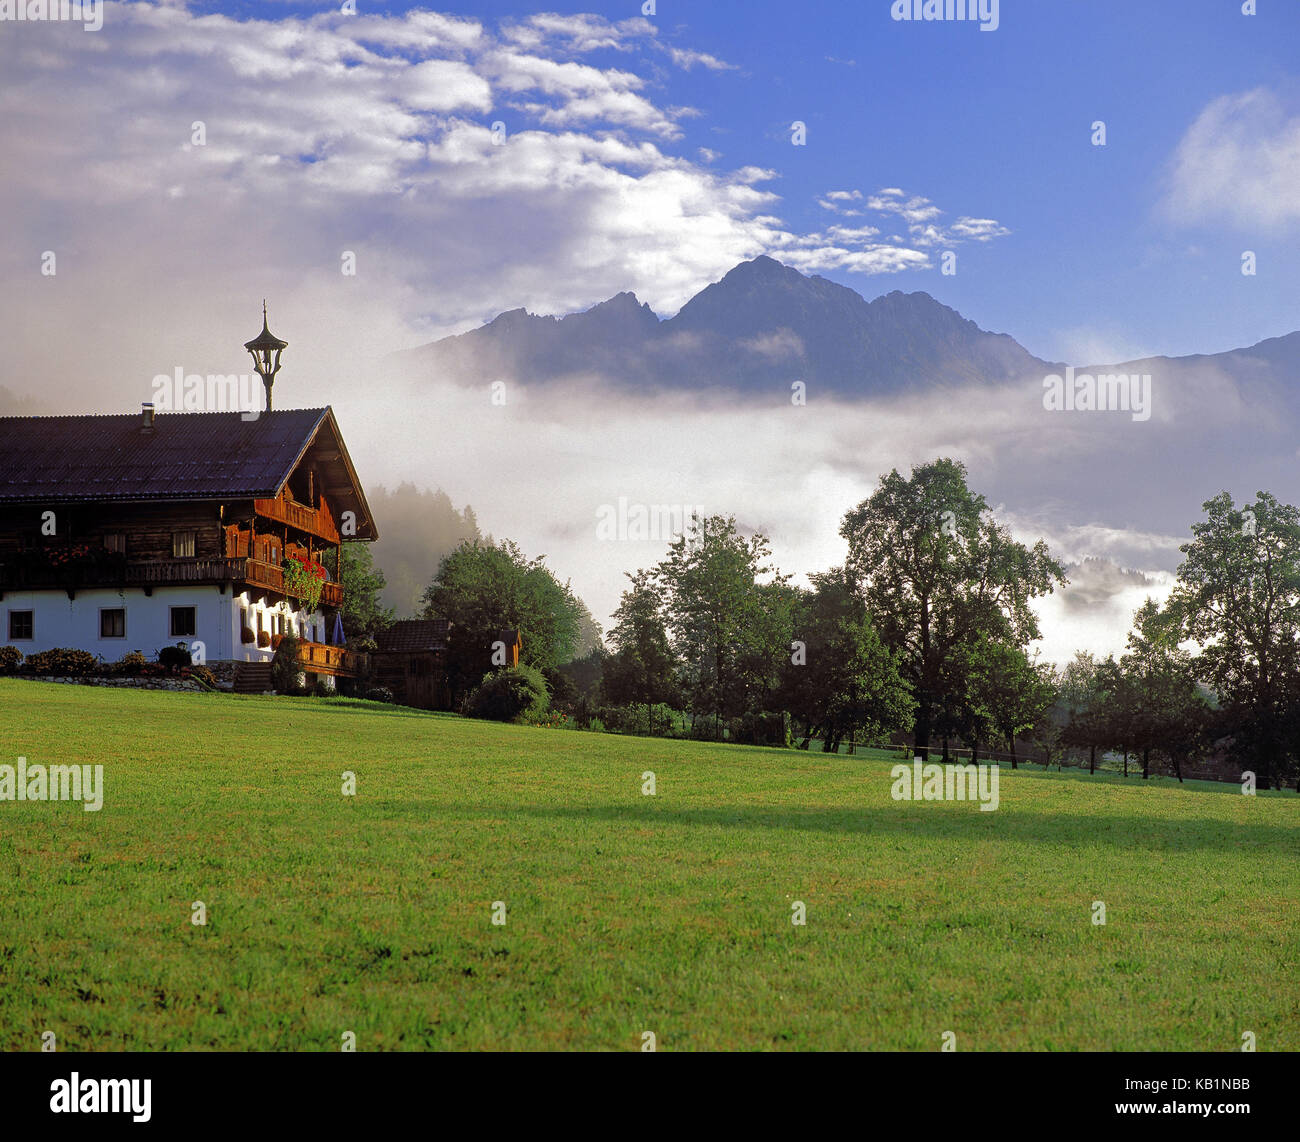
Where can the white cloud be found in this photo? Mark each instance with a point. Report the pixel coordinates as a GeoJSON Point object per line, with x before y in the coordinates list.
{"type": "Point", "coordinates": [915, 209]}
{"type": "Point", "coordinates": [583, 93]}
{"type": "Point", "coordinates": [1239, 162]}
{"type": "Point", "coordinates": [368, 134]}
{"type": "Point", "coordinates": [977, 229]}
{"type": "Point", "coordinates": [446, 85]}
{"type": "Point", "coordinates": [854, 250]}
{"type": "Point", "coordinates": [686, 59]}
{"type": "Point", "coordinates": [580, 33]}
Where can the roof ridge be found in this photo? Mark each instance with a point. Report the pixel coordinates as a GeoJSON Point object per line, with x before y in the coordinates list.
{"type": "Point", "coordinates": [162, 412]}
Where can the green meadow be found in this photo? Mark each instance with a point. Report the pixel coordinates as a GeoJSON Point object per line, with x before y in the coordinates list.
{"type": "Point", "coordinates": [625, 913]}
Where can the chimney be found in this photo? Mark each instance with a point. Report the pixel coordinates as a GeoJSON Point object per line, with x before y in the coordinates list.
{"type": "Point", "coordinates": [146, 419]}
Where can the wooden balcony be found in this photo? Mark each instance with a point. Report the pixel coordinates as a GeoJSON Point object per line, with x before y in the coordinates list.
{"type": "Point", "coordinates": [170, 572]}
{"type": "Point", "coordinates": [21, 575]}
{"type": "Point", "coordinates": [270, 576]}
{"type": "Point", "coordinates": [322, 658]}
{"type": "Point", "coordinates": [315, 521]}
{"type": "Point", "coordinates": [25, 576]}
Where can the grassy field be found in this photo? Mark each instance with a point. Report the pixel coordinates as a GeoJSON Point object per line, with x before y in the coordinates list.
{"type": "Point", "coordinates": [625, 913]}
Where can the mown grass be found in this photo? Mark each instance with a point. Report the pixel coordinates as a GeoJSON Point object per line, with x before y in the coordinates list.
{"type": "Point", "coordinates": [625, 913]}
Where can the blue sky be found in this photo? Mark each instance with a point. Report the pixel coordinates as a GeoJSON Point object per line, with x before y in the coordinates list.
{"type": "Point", "coordinates": [995, 125]}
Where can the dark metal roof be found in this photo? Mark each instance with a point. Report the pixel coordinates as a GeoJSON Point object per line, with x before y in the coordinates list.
{"type": "Point", "coordinates": [414, 635]}
{"type": "Point", "coordinates": [187, 456]}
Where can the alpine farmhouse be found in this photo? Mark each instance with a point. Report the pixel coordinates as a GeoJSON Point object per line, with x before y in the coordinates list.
{"type": "Point", "coordinates": [141, 531]}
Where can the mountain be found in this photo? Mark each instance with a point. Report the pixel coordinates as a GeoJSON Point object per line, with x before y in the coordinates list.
{"type": "Point", "coordinates": [765, 325]}
{"type": "Point", "coordinates": [766, 322]}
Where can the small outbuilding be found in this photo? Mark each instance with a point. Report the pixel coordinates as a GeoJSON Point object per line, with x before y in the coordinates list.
{"type": "Point", "coordinates": [411, 660]}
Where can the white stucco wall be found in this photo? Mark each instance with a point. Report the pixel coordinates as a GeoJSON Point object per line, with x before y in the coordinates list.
{"type": "Point", "coordinates": [60, 621]}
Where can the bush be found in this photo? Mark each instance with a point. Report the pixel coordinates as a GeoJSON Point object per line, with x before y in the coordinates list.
{"type": "Point", "coordinates": [325, 687]}
{"type": "Point", "coordinates": [517, 694]}
{"type": "Point", "coordinates": [175, 657]}
{"type": "Point", "coordinates": [202, 675]}
{"type": "Point", "coordinates": [760, 729]}
{"type": "Point", "coordinates": [379, 694]}
{"type": "Point", "coordinates": [286, 670]}
{"type": "Point", "coordinates": [10, 659]}
{"type": "Point", "coordinates": [131, 664]}
{"type": "Point", "coordinates": [62, 661]}
{"type": "Point", "coordinates": [635, 719]}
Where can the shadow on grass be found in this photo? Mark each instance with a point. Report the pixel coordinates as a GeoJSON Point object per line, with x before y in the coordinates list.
{"type": "Point", "coordinates": [383, 709]}
{"type": "Point", "coordinates": [961, 822]}
{"type": "Point", "coordinates": [1136, 780]}
{"type": "Point", "coordinates": [342, 705]}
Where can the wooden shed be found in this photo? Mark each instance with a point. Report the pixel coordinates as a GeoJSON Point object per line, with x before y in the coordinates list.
{"type": "Point", "coordinates": [411, 661]}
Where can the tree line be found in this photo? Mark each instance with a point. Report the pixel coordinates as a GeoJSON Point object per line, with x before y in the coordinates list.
{"type": "Point", "coordinates": [924, 633]}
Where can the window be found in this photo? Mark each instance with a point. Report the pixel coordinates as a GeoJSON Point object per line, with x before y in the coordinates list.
{"type": "Point", "coordinates": [20, 626]}
{"type": "Point", "coordinates": [182, 624]}
{"type": "Point", "coordinates": [182, 545]}
{"type": "Point", "coordinates": [112, 622]}
{"type": "Point", "coordinates": [115, 541]}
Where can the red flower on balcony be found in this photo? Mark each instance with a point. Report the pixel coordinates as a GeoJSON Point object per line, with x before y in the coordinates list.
{"type": "Point", "coordinates": [304, 581]}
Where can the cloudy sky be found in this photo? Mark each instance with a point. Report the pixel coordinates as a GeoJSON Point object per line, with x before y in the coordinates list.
{"type": "Point", "coordinates": [183, 161]}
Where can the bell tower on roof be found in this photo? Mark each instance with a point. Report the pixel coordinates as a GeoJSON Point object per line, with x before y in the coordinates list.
{"type": "Point", "coordinates": [265, 349]}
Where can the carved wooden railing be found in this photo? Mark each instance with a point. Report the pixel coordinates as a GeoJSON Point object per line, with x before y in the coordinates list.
{"type": "Point", "coordinates": [272, 577]}
{"type": "Point", "coordinates": [22, 575]}
{"type": "Point", "coordinates": [316, 521]}
{"type": "Point", "coordinates": [316, 656]}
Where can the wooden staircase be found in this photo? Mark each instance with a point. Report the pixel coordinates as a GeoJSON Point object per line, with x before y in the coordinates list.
{"type": "Point", "coordinates": [253, 678]}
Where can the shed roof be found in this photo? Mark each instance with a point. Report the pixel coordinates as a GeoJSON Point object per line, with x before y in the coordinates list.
{"type": "Point", "coordinates": [414, 635]}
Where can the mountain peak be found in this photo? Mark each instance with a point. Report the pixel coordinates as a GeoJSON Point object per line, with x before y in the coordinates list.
{"type": "Point", "coordinates": [762, 268]}
{"type": "Point", "coordinates": [760, 326]}
{"type": "Point", "coordinates": [621, 314]}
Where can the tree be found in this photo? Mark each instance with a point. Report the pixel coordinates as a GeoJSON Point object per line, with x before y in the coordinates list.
{"type": "Point", "coordinates": [1116, 726]}
{"type": "Point", "coordinates": [1169, 714]}
{"type": "Point", "coordinates": [938, 573]}
{"type": "Point", "coordinates": [642, 666]}
{"type": "Point", "coordinates": [840, 679]}
{"type": "Point", "coordinates": [728, 629]}
{"type": "Point", "coordinates": [1082, 701]}
{"type": "Point", "coordinates": [590, 638]}
{"type": "Point", "coordinates": [514, 695]}
{"type": "Point", "coordinates": [486, 588]}
{"type": "Point", "coordinates": [419, 529]}
{"type": "Point", "coordinates": [1010, 692]}
{"type": "Point", "coordinates": [1238, 597]}
{"type": "Point", "coordinates": [363, 615]}
{"type": "Point", "coordinates": [585, 676]}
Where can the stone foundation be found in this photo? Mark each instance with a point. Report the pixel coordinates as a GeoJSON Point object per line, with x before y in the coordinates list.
{"type": "Point", "coordinates": [127, 683]}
